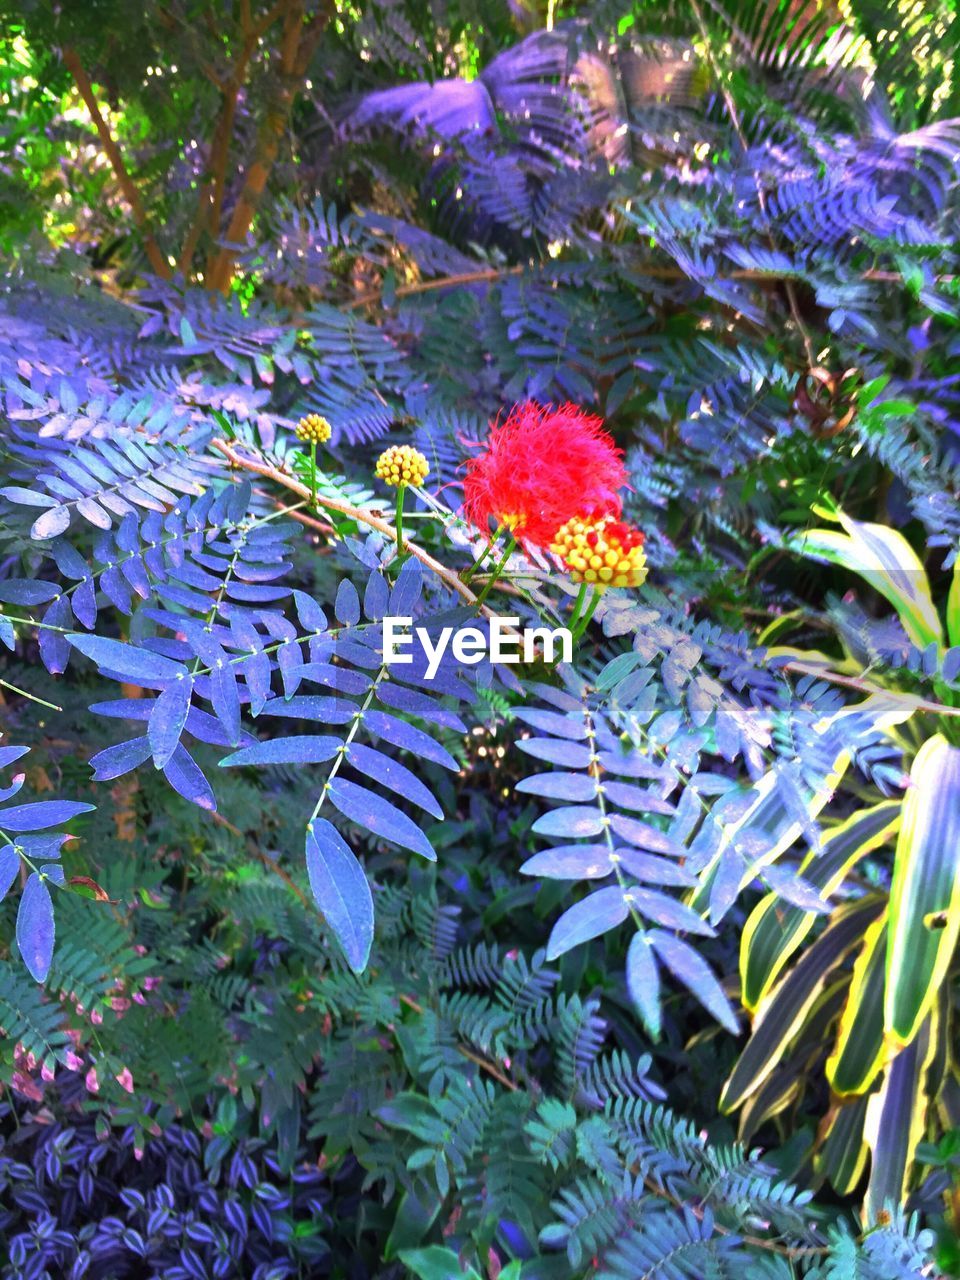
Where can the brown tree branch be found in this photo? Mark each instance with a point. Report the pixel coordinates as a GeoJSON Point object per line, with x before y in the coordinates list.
{"type": "Point", "coordinates": [651, 270]}
{"type": "Point", "coordinates": [298, 42]}
{"type": "Point", "coordinates": [73, 64]}
{"type": "Point", "coordinates": [210, 205]}
{"type": "Point", "coordinates": [448, 576]}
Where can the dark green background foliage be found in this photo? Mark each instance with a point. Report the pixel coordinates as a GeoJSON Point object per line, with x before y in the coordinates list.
{"type": "Point", "coordinates": [662, 979]}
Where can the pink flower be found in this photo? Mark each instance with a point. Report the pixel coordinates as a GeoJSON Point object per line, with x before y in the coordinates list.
{"type": "Point", "coordinates": [125, 1080]}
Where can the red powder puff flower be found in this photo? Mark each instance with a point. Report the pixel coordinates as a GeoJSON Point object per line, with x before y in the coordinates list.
{"type": "Point", "coordinates": [540, 467]}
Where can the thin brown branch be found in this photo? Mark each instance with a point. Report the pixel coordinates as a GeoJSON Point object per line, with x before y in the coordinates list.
{"type": "Point", "coordinates": [291, 884]}
{"type": "Point", "coordinates": [73, 64]}
{"type": "Point", "coordinates": [867, 686]}
{"type": "Point", "coordinates": [444, 282]}
{"type": "Point", "coordinates": [448, 576]}
{"type": "Point", "coordinates": [656, 272]}
{"type": "Point", "coordinates": [483, 1063]}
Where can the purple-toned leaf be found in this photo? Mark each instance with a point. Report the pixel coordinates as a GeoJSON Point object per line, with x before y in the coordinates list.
{"type": "Point", "coordinates": [168, 718]}
{"type": "Point", "coordinates": [41, 814]}
{"type": "Point", "coordinates": [27, 497]}
{"type": "Point", "coordinates": [631, 765]}
{"type": "Point", "coordinates": [139, 666]}
{"type": "Point", "coordinates": [643, 982]}
{"type": "Point", "coordinates": [7, 793]}
{"type": "Point", "coordinates": [257, 595]}
{"type": "Point", "coordinates": [379, 816]}
{"type": "Point", "coordinates": [9, 866]}
{"type": "Point", "coordinates": [312, 617]}
{"type": "Point", "coordinates": [341, 891]}
{"type": "Point", "coordinates": [689, 967]}
{"type": "Point", "coordinates": [406, 589]}
{"type": "Point", "coordinates": [560, 786]}
{"type": "Point", "coordinates": [626, 796]}
{"type": "Point", "coordinates": [35, 930]}
{"type": "Point", "coordinates": [644, 836]}
{"type": "Point", "coordinates": [307, 749]}
{"type": "Point", "coordinates": [9, 754]}
{"type": "Point", "coordinates": [667, 911]}
{"type": "Point", "coordinates": [36, 848]}
{"type": "Point", "coordinates": [550, 722]}
{"type": "Point", "coordinates": [421, 705]}
{"type": "Point", "coordinates": [408, 738]}
{"type": "Point", "coordinates": [329, 710]}
{"type": "Point", "coordinates": [571, 821]}
{"type": "Point", "coordinates": [376, 596]}
{"type": "Point", "coordinates": [556, 751]}
{"type": "Point", "coordinates": [186, 778]}
{"type": "Point", "coordinates": [347, 604]}
{"type": "Point", "coordinates": [340, 678]}
{"type": "Point", "coordinates": [92, 511]}
{"type": "Point", "coordinates": [570, 862]}
{"type": "Point", "coordinates": [798, 892]}
{"type": "Point", "coordinates": [51, 523]}
{"type": "Point", "coordinates": [54, 649]}
{"type": "Point", "coordinates": [114, 762]}
{"type": "Point", "coordinates": [28, 591]}
{"type": "Point", "coordinates": [655, 869]}
{"type": "Point", "coordinates": [225, 698]}
{"type": "Point", "coordinates": [394, 776]}
{"type": "Point", "coordinates": [595, 915]}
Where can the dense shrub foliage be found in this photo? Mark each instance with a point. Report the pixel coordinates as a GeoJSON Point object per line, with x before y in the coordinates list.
{"type": "Point", "coordinates": [639, 320]}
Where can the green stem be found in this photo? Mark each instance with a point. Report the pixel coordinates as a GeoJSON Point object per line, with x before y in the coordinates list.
{"type": "Point", "coordinates": [501, 565]}
{"type": "Point", "coordinates": [401, 498]}
{"type": "Point", "coordinates": [24, 693]}
{"type": "Point", "coordinates": [472, 569]}
{"type": "Point", "coordinates": [577, 608]}
{"type": "Point", "coordinates": [313, 472]}
{"type": "Point", "coordinates": [587, 614]}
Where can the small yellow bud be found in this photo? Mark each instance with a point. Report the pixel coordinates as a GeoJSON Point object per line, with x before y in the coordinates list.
{"type": "Point", "coordinates": [402, 465]}
{"type": "Point", "coordinates": [313, 429]}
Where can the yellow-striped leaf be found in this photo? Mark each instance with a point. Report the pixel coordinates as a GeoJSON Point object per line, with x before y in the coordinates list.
{"type": "Point", "coordinates": [774, 930]}
{"type": "Point", "coordinates": [843, 1155]}
{"type": "Point", "coordinates": [860, 1049]}
{"type": "Point", "coordinates": [884, 559]}
{"type": "Point", "coordinates": [785, 1009]}
{"type": "Point", "coordinates": [896, 1121]}
{"type": "Point", "coordinates": [925, 893]}
{"type": "Point", "coordinates": [953, 605]}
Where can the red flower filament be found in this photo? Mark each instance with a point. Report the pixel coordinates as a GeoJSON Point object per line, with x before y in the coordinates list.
{"type": "Point", "coordinates": [540, 467]}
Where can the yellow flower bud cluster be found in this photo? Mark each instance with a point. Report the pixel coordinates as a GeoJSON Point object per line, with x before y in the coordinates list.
{"type": "Point", "coordinates": [606, 552]}
{"type": "Point", "coordinates": [313, 429]}
{"type": "Point", "coordinates": [401, 464]}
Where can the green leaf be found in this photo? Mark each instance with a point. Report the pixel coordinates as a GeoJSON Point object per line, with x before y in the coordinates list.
{"type": "Point", "coordinates": [925, 893]}
{"type": "Point", "coordinates": [436, 1263]}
